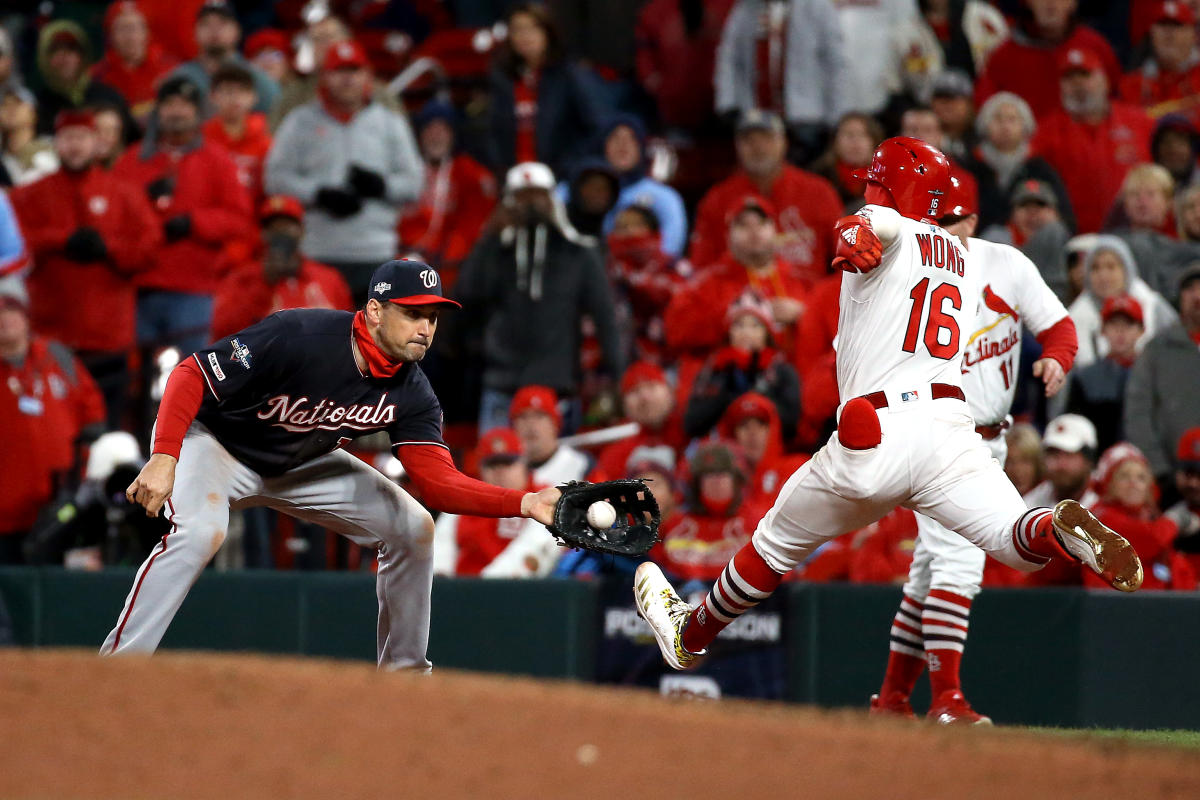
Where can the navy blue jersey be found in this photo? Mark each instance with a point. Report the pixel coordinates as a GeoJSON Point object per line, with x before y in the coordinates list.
{"type": "Point", "coordinates": [287, 389]}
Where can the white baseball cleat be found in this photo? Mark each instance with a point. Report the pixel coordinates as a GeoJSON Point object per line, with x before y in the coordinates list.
{"type": "Point", "coordinates": [1097, 546]}
{"type": "Point", "coordinates": [666, 614]}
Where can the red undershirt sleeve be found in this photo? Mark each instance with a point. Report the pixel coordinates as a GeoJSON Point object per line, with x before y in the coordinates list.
{"type": "Point", "coordinates": [180, 402]}
{"type": "Point", "coordinates": [446, 489]}
{"type": "Point", "coordinates": [1060, 342]}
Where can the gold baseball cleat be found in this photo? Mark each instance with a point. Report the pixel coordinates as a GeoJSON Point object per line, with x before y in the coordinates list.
{"type": "Point", "coordinates": [666, 614]}
{"type": "Point", "coordinates": [1103, 550]}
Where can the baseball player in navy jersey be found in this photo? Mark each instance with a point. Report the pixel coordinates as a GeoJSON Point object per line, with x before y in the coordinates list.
{"type": "Point", "coordinates": [930, 627]}
{"type": "Point", "coordinates": [905, 434]}
{"type": "Point", "coordinates": [259, 419]}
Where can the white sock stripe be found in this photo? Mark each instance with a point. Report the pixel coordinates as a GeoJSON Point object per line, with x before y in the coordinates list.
{"type": "Point", "coordinates": [943, 630]}
{"type": "Point", "coordinates": [945, 606]}
{"type": "Point", "coordinates": [896, 647]}
{"type": "Point", "coordinates": [950, 618]}
{"type": "Point", "coordinates": [712, 609]}
{"type": "Point", "coordinates": [728, 599]}
{"type": "Point", "coordinates": [900, 633]}
{"type": "Point", "coordinates": [939, 645]}
{"type": "Point", "coordinates": [910, 606]}
{"type": "Point", "coordinates": [911, 619]}
{"type": "Point", "coordinates": [743, 584]}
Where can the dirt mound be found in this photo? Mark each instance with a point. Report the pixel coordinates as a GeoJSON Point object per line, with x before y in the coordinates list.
{"type": "Point", "coordinates": [192, 725]}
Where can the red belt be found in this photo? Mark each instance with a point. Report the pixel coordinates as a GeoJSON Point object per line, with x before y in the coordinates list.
{"type": "Point", "coordinates": [990, 432]}
{"type": "Point", "coordinates": [938, 391]}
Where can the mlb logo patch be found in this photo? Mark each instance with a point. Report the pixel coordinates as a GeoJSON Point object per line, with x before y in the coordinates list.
{"type": "Point", "coordinates": [908, 397]}
{"type": "Point", "coordinates": [241, 353]}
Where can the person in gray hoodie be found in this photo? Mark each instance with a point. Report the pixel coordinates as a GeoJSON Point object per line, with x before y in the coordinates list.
{"type": "Point", "coordinates": [351, 162]}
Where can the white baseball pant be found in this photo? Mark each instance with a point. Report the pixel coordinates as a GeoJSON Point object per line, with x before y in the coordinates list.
{"type": "Point", "coordinates": [336, 491]}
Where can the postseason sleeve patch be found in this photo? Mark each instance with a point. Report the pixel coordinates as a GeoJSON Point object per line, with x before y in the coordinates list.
{"type": "Point", "coordinates": [241, 353]}
{"type": "Point", "coordinates": [216, 367]}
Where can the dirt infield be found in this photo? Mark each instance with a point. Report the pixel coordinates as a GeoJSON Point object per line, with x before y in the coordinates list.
{"type": "Point", "coordinates": [189, 725]}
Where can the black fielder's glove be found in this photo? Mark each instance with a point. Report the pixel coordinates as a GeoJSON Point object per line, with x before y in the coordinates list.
{"type": "Point", "coordinates": [635, 530]}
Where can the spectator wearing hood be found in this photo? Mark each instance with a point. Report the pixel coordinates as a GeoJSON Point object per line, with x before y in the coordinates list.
{"type": "Point", "coordinates": [804, 206]}
{"type": "Point", "coordinates": [524, 288]}
{"type": "Point", "coordinates": [676, 42]}
{"type": "Point", "coordinates": [590, 195]}
{"type": "Point", "coordinates": [717, 519]}
{"type": "Point", "coordinates": [236, 127]}
{"type": "Point", "coordinates": [1129, 504]}
{"type": "Point", "coordinates": [1110, 271]}
{"type": "Point", "coordinates": [541, 107]}
{"type": "Point", "coordinates": [25, 156]}
{"type": "Point", "coordinates": [193, 187]}
{"type": "Point", "coordinates": [624, 146]}
{"type": "Point", "coordinates": [218, 33]}
{"type": "Point", "coordinates": [1160, 397]}
{"type": "Point", "coordinates": [132, 64]}
{"type": "Point", "coordinates": [444, 223]}
{"type": "Point", "coordinates": [52, 402]}
{"type": "Point", "coordinates": [278, 275]}
{"type": "Point", "coordinates": [90, 233]}
{"type": "Point", "coordinates": [644, 280]}
{"type": "Point", "coordinates": [1169, 80]}
{"type": "Point", "coordinates": [63, 61]}
{"type": "Point", "coordinates": [1093, 141]}
{"type": "Point", "coordinates": [752, 262]}
{"type": "Point", "coordinates": [1175, 145]}
{"type": "Point", "coordinates": [1044, 31]}
{"type": "Point", "coordinates": [351, 161]}
{"type": "Point", "coordinates": [648, 400]}
{"type": "Point", "coordinates": [1097, 391]}
{"type": "Point", "coordinates": [752, 423]}
{"type": "Point", "coordinates": [748, 363]}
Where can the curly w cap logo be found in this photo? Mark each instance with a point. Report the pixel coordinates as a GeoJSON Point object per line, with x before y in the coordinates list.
{"type": "Point", "coordinates": [429, 278]}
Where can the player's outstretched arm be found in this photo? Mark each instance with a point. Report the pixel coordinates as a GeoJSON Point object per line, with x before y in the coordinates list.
{"type": "Point", "coordinates": [858, 249]}
{"type": "Point", "coordinates": [540, 505]}
{"type": "Point", "coordinates": [154, 484]}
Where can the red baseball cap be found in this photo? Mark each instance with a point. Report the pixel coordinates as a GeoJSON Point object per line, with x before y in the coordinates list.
{"type": "Point", "coordinates": [1123, 305]}
{"type": "Point", "coordinates": [751, 203]}
{"type": "Point", "coordinates": [281, 205]}
{"type": "Point", "coordinates": [74, 117]}
{"type": "Point", "coordinates": [346, 55]}
{"type": "Point", "coordinates": [535, 398]}
{"type": "Point", "coordinates": [1188, 454]}
{"type": "Point", "coordinates": [1079, 59]}
{"type": "Point", "coordinates": [641, 372]}
{"type": "Point", "coordinates": [267, 39]}
{"type": "Point", "coordinates": [1174, 11]}
{"type": "Point", "coordinates": [498, 444]}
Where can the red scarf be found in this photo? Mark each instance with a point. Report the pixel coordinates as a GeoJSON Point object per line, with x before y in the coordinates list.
{"type": "Point", "coordinates": [379, 365]}
{"type": "Point", "coordinates": [852, 185]}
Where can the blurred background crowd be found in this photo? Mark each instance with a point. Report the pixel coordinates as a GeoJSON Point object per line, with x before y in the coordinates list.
{"type": "Point", "coordinates": [634, 201]}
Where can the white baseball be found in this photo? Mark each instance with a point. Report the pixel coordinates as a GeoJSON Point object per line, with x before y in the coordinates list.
{"type": "Point", "coordinates": [886, 224]}
{"type": "Point", "coordinates": [601, 515]}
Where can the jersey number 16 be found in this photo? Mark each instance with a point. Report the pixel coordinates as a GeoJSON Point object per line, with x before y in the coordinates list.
{"type": "Point", "coordinates": [938, 320]}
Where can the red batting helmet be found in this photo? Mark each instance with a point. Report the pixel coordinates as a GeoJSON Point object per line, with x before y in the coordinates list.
{"type": "Point", "coordinates": [958, 202]}
{"type": "Point", "coordinates": [916, 174]}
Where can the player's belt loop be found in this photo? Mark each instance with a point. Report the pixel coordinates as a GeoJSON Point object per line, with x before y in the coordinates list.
{"type": "Point", "coordinates": [937, 391]}
{"type": "Point", "coordinates": [990, 432]}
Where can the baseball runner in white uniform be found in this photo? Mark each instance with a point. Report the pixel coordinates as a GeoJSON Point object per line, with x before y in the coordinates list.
{"type": "Point", "coordinates": [905, 433]}
{"type": "Point", "coordinates": [931, 624]}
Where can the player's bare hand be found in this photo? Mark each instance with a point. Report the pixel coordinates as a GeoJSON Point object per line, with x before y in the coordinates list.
{"type": "Point", "coordinates": [1051, 373]}
{"type": "Point", "coordinates": [540, 505]}
{"type": "Point", "coordinates": [154, 484]}
{"type": "Point", "coordinates": [786, 310]}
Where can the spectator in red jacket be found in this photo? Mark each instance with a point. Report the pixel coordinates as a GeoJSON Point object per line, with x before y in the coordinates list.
{"type": "Point", "coordinates": [752, 261]}
{"type": "Point", "coordinates": [457, 199]}
{"type": "Point", "coordinates": [90, 234]}
{"type": "Point", "coordinates": [194, 188]}
{"type": "Point", "coordinates": [279, 276]}
{"type": "Point", "coordinates": [51, 402]}
{"type": "Point", "coordinates": [717, 520]}
{"type": "Point", "coordinates": [806, 205]}
{"type": "Point", "coordinates": [676, 42]}
{"type": "Point", "coordinates": [1128, 503]}
{"type": "Point", "coordinates": [237, 127]}
{"type": "Point", "coordinates": [819, 324]}
{"type": "Point", "coordinates": [752, 423]}
{"type": "Point", "coordinates": [1024, 63]}
{"type": "Point", "coordinates": [1093, 141]}
{"type": "Point", "coordinates": [648, 400]}
{"type": "Point", "coordinates": [132, 64]}
{"type": "Point", "coordinates": [644, 279]}
{"type": "Point", "coordinates": [1169, 81]}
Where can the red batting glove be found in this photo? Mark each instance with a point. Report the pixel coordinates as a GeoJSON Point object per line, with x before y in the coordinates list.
{"type": "Point", "coordinates": [858, 248]}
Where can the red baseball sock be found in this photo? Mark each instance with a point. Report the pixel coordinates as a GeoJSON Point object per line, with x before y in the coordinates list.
{"type": "Point", "coordinates": [906, 655]}
{"type": "Point", "coordinates": [1033, 535]}
{"type": "Point", "coordinates": [745, 582]}
{"type": "Point", "coordinates": [944, 626]}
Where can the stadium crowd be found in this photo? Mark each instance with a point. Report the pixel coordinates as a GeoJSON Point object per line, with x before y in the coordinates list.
{"type": "Point", "coordinates": [634, 201]}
